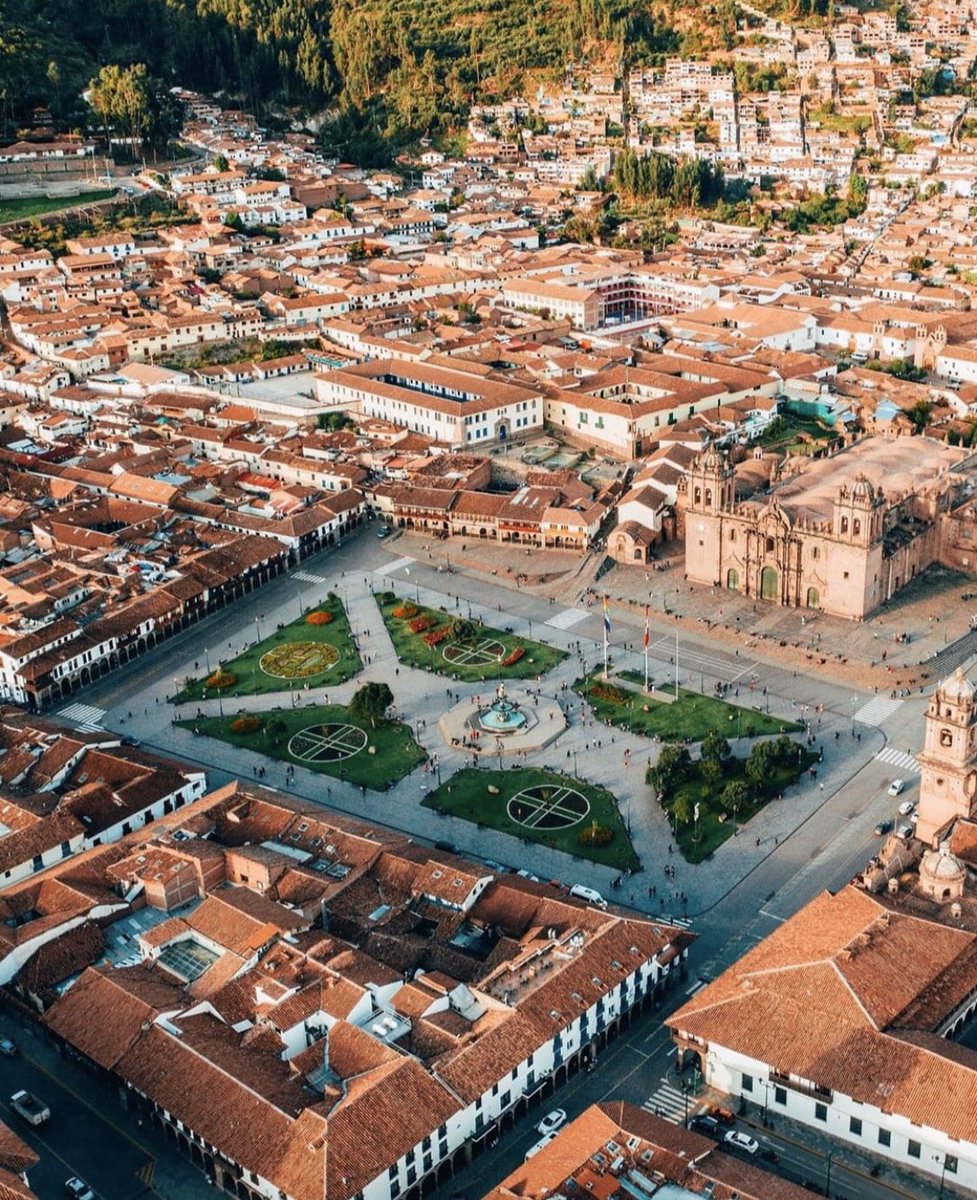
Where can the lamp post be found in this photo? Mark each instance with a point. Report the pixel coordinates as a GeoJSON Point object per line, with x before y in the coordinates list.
{"type": "Point", "coordinates": [257, 626]}
{"type": "Point", "coordinates": [207, 659]}
{"type": "Point", "coordinates": [827, 1178]}
{"type": "Point", "coordinates": [853, 700]}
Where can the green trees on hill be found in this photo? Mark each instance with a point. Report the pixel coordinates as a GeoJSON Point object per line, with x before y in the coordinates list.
{"type": "Point", "coordinates": [686, 183]}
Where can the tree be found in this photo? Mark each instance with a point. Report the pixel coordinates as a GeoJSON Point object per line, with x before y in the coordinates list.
{"type": "Point", "coordinates": [919, 414]}
{"type": "Point", "coordinates": [715, 748]}
{"type": "Point", "coordinates": [734, 796]}
{"type": "Point", "coordinates": [220, 162]}
{"type": "Point", "coordinates": [371, 702]}
{"type": "Point", "coordinates": [711, 770]}
{"type": "Point", "coordinates": [683, 810]}
{"type": "Point", "coordinates": [759, 763]}
{"type": "Point", "coordinates": [121, 96]}
{"type": "Point", "coordinates": [670, 769]}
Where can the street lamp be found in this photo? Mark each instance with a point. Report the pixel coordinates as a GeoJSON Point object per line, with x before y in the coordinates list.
{"type": "Point", "coordinates": [853, 700]}
{"type": "Point", "coordinates": [827, 1179]}
{"type": "Point", "coordinates": [207, 659]}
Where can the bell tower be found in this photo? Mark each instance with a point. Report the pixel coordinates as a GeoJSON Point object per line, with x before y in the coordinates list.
{"type": "Point", "coordinates": [948, 784]}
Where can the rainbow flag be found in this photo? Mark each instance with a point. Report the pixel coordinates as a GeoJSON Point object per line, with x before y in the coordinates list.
{"type": "Point", "coordinates": [647, 628]}
{"type": "Point", "coordinates": [607, 618]}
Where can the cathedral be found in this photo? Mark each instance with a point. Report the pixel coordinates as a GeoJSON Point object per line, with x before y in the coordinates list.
{"type": "Point", "coordinates": [948, 761]}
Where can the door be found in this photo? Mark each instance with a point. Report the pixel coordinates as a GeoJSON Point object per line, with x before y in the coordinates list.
{"type": "Point", "coordinates": [768, 584]}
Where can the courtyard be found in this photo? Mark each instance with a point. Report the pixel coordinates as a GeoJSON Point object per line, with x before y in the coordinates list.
{"type": "Point", "coordinates": [316, 650]}
{"type": "Point", "coordinates": [321, 737]}
{"type": "Point", "coordinates": [538, 805]}
{"type": "Point", "coordinates": [465, 650]}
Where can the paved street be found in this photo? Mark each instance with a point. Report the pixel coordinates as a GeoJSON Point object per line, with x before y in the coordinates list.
{"type": "Point", "coordinates": [817, 837]}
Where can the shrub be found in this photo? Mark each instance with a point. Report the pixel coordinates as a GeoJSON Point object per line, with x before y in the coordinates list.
{"type": "Point", "coordinates": [405, 611]}
{"type": "Point", "coordinates": [596, 835]}
{"type": "Point", "coordinates": [320, 617]}
{"type": "Point", "coordinates": [513, 656]}
{"type": "Point", "coordinates": [247, 724]}
{"type": "Point", "coordinates": [419, 624]}
{"type": "Point", "coordinates": [220, 679]}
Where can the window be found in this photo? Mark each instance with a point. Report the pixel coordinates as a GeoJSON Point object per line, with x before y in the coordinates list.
{"type": "Point", "coordinates": [747, 1083]}
{"type": "Point", "coordinates": [885, 1137]}
{"type": "Point", "coordinates": [820, 1112]}
{"type": "Point", "coordinates": [950, 1164]}
{"type": "Point", "coordinates": [913, 1149]}
{"type": "Point", "coordinates": [855, 1125]}
{"type": "Point", "coordinates": [780, 1095]}
{"type": "Point", "coordinates": [769, 545]}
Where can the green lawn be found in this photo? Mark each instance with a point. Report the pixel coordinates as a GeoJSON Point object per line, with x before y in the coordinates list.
{"type": "Point", "coordinates": [698, 840]}
{"type": "Point", "coordinates": [467, 795]}
{"type": "Point", "coordinates": [251, 679]}
{"type": "Point", "coordinates": [386, 753]}
{"type": "Point", "coordinates": [480, 654]}
{"type": "Point", "coordinates": [690, 716]}
{"type": "Point", "coordinates": [36, 206]}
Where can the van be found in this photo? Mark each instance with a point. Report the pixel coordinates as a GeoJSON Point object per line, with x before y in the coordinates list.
{"type": "Point", "coordinates": [589, 894]}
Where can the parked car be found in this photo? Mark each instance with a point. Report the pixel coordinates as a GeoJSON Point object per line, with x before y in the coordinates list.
{"type": "Point", "coordinates": [535, 1148]}
{"type": "Point", "coordinates": [8, 1047]}
{"type": "Point", "coordinates": [78, 1188]}
{"type": "Point", "coordinates": [383, 531]}
{"type": "Point", "coordinates": [708, 1126]}
{"type": "Point", "coordinates": [589, 894]}
{"type": "Point", "coordinates": [552, 1122]}
{"type": "Point", "coordinates": [897, 787]}
{"type": "Point", "coordinates": [884, 827]}
{"type": "Point", "coordinates": [905, 832]}
{"type": "Point", "coordinates": [741, 1141]}
{"type": "Point", "coordinates": [914, 818]}
{"type": "Point", "coordinates": [768, 1155]}
{"type": "Point", "coordinates": [906, 807]}
{"type": "Point", "coordinates": [34, 1111]}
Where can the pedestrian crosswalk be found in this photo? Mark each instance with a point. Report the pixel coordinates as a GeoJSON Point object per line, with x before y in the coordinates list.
{"type": "Point", "coordinates": [898, 758]}
{"type": "Point", "coordinates": [396, 565]}
{"type": "Point", "coordinates": [668, 1102]}
{"type": "Point", "coordinates": [85, 717]}
{"type": "Point", "coordinates": [309, 577]}
{"type": "Point", "coordinates": [877, 710]}
{"type": "Point", "coordinates": [568, 617]}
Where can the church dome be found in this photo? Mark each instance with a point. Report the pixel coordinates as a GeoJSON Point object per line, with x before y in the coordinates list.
{"type": "Point", "coordinates": [863, 488]}
{"type": "Point", "coordinates": [958, 689]}
{"type": "Point", "coordinates": [941, 875]}
{"type": "Point", "coordinates": [713, 461]}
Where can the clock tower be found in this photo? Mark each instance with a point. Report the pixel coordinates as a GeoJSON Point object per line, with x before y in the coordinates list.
{"type": "Point", "coordinates": [948, 784]}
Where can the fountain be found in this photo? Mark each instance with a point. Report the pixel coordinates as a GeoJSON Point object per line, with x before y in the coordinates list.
{"type": "Point", "coordinates": [502, 716]}
{"type": "Point", "coordinates": [506, 726]}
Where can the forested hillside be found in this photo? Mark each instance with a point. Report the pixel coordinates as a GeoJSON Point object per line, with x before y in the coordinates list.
{"type": "Point", "coordinates": [395, 69]}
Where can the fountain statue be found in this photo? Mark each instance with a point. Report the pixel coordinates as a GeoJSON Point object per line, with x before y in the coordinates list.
{"type": "Point", "coordinates": [502, 715]}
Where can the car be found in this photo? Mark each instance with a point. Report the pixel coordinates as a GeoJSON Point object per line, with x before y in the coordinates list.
{"type": "Point", "coordinates": [383, 531]}
{"type": "Point", "coordinates": [552, 1122]}
{"type": "Point", "coordinates": [768, 1155]}
{"type": "Point", "coordinates": [540, 1145]}
{"type": "Point", "coordinates": [905, 832]}
{"type": "Point", "coordinates": [914, 819]}
{"type": "Point", "coordinates": [8, 1047]}
{"type": "Point", "coordinates": [725, 1116]}
{"type": "Point", "coordinates": [883, 827]}
{"type": "Point", "coordinates": [78, 1188]}
{"type": "Point", "coordinates": [708, 1126]}
{"type": "Point", "coordinates": [897, 787]}
{"type": "Point", "coordinates": [906, 807]}
{"type": "Point", "coordinates": [741, 1141]}
{"type": "Point", "coordinates": [589, 894]}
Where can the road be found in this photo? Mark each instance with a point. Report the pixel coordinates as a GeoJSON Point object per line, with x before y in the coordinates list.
{"type": "Point", "coordinates": [77, 1138]}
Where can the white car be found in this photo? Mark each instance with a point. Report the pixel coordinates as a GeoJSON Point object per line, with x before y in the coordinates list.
{"type": "Point", "coordinates": [540, 1145]}
{"type": "Point", "coordinates": [906, 807]}
{"type": "Point", "coordinates": [741, 1141]}
{"type": "Point", "coordinates": [589, 894]}
{"type": "Point", "coordinates": [552, 1122]}
{"type": "Point", "coordinates": [78, 1189]}
{"type": "Point", "coordinates": [896, 787]}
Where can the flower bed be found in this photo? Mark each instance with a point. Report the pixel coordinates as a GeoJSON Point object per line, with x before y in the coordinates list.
{"type": "Point", "coordinates": [514, 655]}
{"type": "Point", "coordinates": [319, 618]}
{"type": "Point", "coordinates": [220, 679]}
{"type": "Point", "coordinates": [247, 724]}
{"type": "Point", "coordinates": [437, 636]}
{"type": "Point", "coordinates": [610, 693]}
{"type": "Point", "coordinates": [595, 835]}
{"type": "Point", "coordinates": [419, 624]}
{"type": "Point", "coordinates": [404, 612]}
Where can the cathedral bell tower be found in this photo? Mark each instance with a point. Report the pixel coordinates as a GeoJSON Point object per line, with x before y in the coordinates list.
{"type": "Point", "coordinates": [948, 784]}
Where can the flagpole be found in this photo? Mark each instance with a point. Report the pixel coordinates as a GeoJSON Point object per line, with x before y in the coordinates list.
{"type": "Point", "coordinates": [607, 623]}
{"type": "Point", "coordinates": [676, 664]}
{"type": "Point", "coordinates": [647, 639]}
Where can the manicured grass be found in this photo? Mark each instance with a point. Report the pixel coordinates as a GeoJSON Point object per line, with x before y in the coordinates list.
{"type": "Point", "coordinates": [467, 795]}
{"type": "Point", "coordinates": [698, 840]}
{"type": "Point", "coordinates": [36, 206]}
{"type": "Point", "coordinates": [252, 680]}
{"type": "Point", "coordinates": [690, 716]}
{"type": "Point", "coordinates": [480, 656]}
{"type": "Point", "coordinates": [394, 751]}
